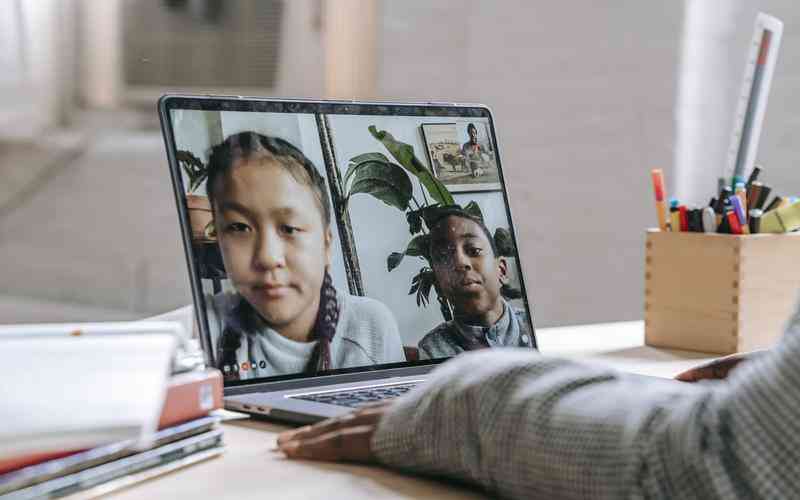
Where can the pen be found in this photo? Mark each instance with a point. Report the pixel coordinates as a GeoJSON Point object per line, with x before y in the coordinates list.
{"type": "Point", "coordinates": [658, 188]}
{"type": "Point", "coordinates": [753, 175]}
{"type": "Point", "coordinates": [773, 204]}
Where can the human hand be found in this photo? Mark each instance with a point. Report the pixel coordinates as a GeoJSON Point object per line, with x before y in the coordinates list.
{"type": "Point", "coordinates": [716, 369]}
{"type": "Point", "coordinates": [347, 438]}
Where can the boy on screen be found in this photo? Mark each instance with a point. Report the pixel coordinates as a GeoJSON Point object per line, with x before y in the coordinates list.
{"type": "Point", "coordinates": [471, 274]}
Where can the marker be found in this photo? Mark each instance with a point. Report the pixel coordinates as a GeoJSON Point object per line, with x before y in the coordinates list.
{"type": "Point", "coordinates": [675, 221]}
{"type": "Point", "coordinates": [719, 209]}
{"type": "Point", "coordinates": [709, 220]}
{"type": "Point", "coordinates": [753, 176]}
{"type": "Point", "coordinates": [753, 194]}
{"type": "Point", "coordinates": [781, 220]}
{"type": "Point", "coordinates": [724, 227]}
{"type": "Point", "coordinates": [674, 215]}
{"type": "Point", "coordinates": [774, 203]}
{"type": "Point", "coordinates": [737, 179]}
{"type": "Point", "coordinates": [658, 188]}
{"type": "Point", "coordinates": [755, 220]}
{"type": "Point", "coordinates": [741, 192]}
{"type": "Point", "coordinates": [762, 198]}
{"type": "Point", "coordinates": [684, 218]}
{"type": "Point", "coordinates": [741, 214]}
{"type": "Point", "coordinates": [697, 220]}
{"type": "Point", "coordinates": [733, 222]}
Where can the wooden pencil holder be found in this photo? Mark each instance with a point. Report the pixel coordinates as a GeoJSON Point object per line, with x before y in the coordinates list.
{"type": "Point", "coordinates": [719, 293]}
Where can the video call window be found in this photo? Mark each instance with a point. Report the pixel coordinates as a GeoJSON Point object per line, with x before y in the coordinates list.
{"type": "Point", "coordinates": [333, 241]}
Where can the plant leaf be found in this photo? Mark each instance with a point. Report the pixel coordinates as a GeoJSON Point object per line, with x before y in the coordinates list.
{"type": "Point", "coordinates": [195, 170]}
{"type": "Point", "coordinates": [355, 161]}
{"type": "Point", "coordinates": [394, 260]}
{"type": "Point", "coordinates": [504, 243]}
{"type": "Point", "coordinates": [414, 218]}
{"type": "Point", "coordinates": [422, 284]}
{"type": "Point", "coordinates": [474, 209]}
{"type": "Point", "coordinates": [404, 154]}
{"type": "Point", "coordinates": [419, 246]}
{"type": "Point", "coordinates": [386, 181]}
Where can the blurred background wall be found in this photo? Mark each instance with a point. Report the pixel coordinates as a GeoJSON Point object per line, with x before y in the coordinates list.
{"type": "Point", "coordinates": [588, 97]}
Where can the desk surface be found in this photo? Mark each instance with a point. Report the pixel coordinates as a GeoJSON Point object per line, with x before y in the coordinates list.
{"type": "Point", "coordinates": [248, 466]}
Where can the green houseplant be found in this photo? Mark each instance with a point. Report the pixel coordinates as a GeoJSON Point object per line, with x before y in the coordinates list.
{"type": "Point", "coordinates": [198, 206]}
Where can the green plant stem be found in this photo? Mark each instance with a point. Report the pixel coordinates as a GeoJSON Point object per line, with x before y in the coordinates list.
{"type": "Point", "coordinates": [424, 196]}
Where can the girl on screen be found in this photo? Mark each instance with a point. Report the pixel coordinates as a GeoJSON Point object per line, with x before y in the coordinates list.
{"type": "Point", "coordinates": [272, 218]}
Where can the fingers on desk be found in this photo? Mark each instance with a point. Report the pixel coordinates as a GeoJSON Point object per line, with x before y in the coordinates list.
{"type": "Point", "coordinates": [351, 444]}
{"type": "Point", "coordinates": [343, 438]}
{"type": "Point", "coordinates": [367, 415]}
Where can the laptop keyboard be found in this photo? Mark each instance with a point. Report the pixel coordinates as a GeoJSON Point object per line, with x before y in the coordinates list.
{"type": "Point", "coordinates": [355, 398]}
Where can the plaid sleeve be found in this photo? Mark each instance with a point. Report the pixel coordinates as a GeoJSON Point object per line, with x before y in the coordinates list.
{"type": "Point", "coordinates": [526, 426]}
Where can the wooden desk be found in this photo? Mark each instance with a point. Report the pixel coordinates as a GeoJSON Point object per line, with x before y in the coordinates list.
{"type": "Point", "coordinates": [248, 469]}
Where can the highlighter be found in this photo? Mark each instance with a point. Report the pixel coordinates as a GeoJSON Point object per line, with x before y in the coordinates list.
{"type": "Point", "coordinates": [781, 220]}
{"type": "Point", "coordinates": [658, 188]}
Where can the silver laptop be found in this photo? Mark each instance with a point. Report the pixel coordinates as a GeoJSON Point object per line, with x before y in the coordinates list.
{"type": "Point", "coordinates": [338, 251]}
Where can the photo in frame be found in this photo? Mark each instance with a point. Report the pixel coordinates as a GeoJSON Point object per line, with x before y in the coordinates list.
{"type": "Point", "coordinates": [461, 156]}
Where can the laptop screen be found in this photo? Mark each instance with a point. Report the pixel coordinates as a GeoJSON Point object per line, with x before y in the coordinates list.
{"type": "Point", "coordinates": [328, 237]}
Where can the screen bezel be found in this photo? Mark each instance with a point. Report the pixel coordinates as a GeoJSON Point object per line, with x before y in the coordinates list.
{"type": "Point", "coordinates": [170, 102]}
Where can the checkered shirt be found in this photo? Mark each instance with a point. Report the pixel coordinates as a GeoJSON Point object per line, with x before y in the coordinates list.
{"type": "Point", "coordinates": [522, 425]}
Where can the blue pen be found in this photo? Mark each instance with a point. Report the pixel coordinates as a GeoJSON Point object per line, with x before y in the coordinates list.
{"type": "Point", "coordinates": [738, 209]}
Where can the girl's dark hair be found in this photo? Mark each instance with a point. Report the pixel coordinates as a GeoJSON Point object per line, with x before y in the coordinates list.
{"type": "Point", "coordinates": [251, 146]}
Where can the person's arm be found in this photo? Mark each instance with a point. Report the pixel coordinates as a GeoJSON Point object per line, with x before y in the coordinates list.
{"type": "Point", "coordinates": [524, 426]}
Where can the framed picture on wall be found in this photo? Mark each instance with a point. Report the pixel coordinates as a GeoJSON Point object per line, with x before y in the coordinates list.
{"type": "Point", "coordinates": [461, 156]}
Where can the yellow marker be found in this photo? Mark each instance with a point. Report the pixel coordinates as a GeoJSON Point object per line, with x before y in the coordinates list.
{"type": "Point", "coordinates": [675, 221]}
{"type": "Point", "coordinates": [661, 206]}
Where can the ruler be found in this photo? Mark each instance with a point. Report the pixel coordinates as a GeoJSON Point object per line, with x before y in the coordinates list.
{"type": "Point", "coordinates": [752, 104]}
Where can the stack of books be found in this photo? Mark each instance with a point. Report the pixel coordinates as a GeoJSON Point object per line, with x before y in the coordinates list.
{"type": "Point", "coordinates": [188, 433]}
{"type": "Point", "coordinates": [119, 454]}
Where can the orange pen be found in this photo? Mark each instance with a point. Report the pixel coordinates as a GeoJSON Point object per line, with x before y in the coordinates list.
{"type": "Point", "coordinates": [661, 206]}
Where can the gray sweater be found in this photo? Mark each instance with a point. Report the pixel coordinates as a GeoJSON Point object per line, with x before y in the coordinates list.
{"type": "Point", "coordinates": [522, 425]}
{"type": "Point", "coordinates": [366, 334]}
{"type": "Point", "coordinates": [454, 337]}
